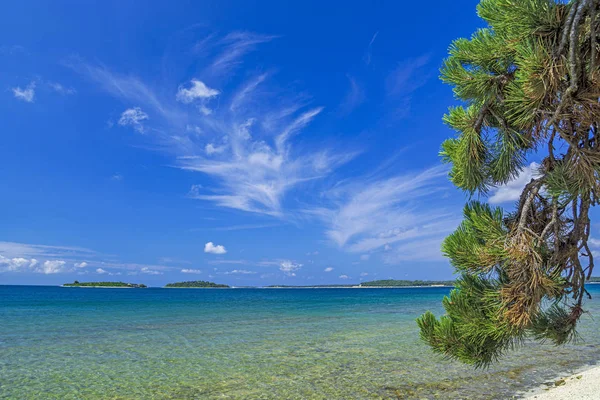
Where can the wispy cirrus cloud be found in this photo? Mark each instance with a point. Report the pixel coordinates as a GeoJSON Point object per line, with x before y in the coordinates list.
{"type": "Point", "coordinates": [234, 46]}
{"type": "Point", "coordinates": [240, 272]}
{"type": "Point", "coordinates": [61, 89]}
{"type": "Point", "coordinates": [353, 98]}
{"type": "Point", "coordinates": [368, 53]}
{"type": "Point", "coordinates": [244, 227]}
{"type": "Point", "coordinates": [375, 213]}
{"type": "Point", "coordinates": [246, 148]}
{"type": "Point", "coordinates": [14, 249]}
{"type": "Point", "coordinates": [408, 76]}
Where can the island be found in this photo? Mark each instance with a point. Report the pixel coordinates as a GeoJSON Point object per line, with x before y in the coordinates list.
{"type": "Point", "coordinates": [195, 284]}
{"type": "Point", "coordinates": [105, 285]}
{"type": "Point", "coordinates": [404, 283]}
{"type": "Point", "coordinates": [384, 283]}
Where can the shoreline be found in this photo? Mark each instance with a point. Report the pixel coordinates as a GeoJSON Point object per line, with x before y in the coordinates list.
{"type": "Point", "coordinates": [584, 384]}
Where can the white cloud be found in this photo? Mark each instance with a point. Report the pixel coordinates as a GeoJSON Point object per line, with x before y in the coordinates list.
{"type": "Point", "coordinates": [344, 277]}
{"type": "Point", "coordinates": [195, 190]}
{"type": "Point", "coordinates": [212, 149]}
{"type": "Point", "coordinates": [133, 117]}
{"type": "Point", "coordinates": [365, 257]}
{"type": "Point", "coordinates": [51, 267]}
{"type": "Point", "coordinates": [328, 269]}
{"type": "Point", "coordinates": [197, 90]}
{"type": "Point", "coordinates": [117, 177]}
{"type": "Point", "coordinates": [26, 94]}
{"type": "Point", "coordinates": [60, 89]}
{"type": "Point", "coordinates": [364, 274]}
{"type": "Point", "coordinates": [288, 267]}
{"type": "Point", "coordinates": [240, 272]}
{"type": "Point", "coordinates": [16, 264]}
{"type": "Point", "coordinates": [191, 271]}
{"type": "Point", "coordinates": [512, 190]}
{"type": "Point", "coordinates": [211, 248]}
{"type": "Point", "coordinates": [105, 272]}
{"type": "Point", "coordinates": [146, 270]}
{"type": "Point", "coordinates": [82, 264]}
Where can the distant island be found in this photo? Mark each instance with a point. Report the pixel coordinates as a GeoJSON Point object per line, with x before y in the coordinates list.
{"type": "Point", "coordinates": [372, 284]}
{"type": "Point", "coordinates": [106, 284]}
{"type": "Point", "coordinates": [594, 279]}
{"type": "Point", "coordinates": [195, 284]}
{"type": "Point", "coordinates": [403, 283]}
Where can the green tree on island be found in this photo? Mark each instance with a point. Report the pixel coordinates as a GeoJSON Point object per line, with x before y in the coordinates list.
{"type": "Point", "coordinates": [530, 85]}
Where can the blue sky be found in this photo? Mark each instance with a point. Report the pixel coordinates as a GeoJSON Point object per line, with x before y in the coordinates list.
{"type": "Point", "coordinates": [249, 144]}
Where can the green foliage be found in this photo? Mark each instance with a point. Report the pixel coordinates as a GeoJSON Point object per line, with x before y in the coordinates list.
{"type": "Point", "coordinates": [195, 284]}
{"type": "Point", "coordinates": [473, 330]}
{"type": "Point", "coordinates": [529, 84]}
{"type": "Point", "coordinates": [478, 243]}
{"type": "Point", "coordinates": [555, 324]}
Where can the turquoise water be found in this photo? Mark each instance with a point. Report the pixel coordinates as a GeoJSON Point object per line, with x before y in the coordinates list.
{"type": "Point", "coordinates": [78, 343]}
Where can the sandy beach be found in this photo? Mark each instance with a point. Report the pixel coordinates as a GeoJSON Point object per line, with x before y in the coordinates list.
{"type": "Point", "coordinates": [581, 386]}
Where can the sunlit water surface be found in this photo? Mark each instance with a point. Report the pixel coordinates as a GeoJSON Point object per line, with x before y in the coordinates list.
{"type": "Point", "coordinates": [82, 343]}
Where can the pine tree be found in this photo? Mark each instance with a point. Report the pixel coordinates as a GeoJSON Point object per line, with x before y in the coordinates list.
{"type": "Point", "coordinates": [530, 85]}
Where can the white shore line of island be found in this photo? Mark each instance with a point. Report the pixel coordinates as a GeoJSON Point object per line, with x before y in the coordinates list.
{"type": "Point", "coordinates": [583, 385]}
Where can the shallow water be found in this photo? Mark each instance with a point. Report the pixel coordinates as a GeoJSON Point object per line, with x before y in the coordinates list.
{"type": "Point", "coordinates": [78, 343]}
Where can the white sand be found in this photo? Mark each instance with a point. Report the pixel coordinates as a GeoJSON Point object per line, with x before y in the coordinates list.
{"type": "Point", "coordinates": [582, 386]}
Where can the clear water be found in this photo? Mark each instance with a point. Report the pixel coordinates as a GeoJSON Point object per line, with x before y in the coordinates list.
{"type": "Point", "coordinates": [77, 343]}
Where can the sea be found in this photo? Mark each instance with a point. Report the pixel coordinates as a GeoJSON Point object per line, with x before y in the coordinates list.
{"type": "Point", "coordinates": [99, 343]}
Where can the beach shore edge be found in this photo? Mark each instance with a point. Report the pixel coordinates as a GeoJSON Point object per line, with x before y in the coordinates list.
{"type": "Point", "coordinates": [583, 385]}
